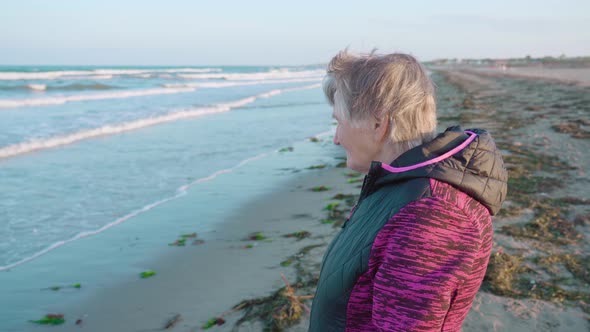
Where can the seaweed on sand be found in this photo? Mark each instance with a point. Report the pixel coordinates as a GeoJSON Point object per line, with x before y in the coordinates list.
{"type": "Point", "coordinates": [281, 309]}
{"type": "Point", "coordinates": [50, 319]}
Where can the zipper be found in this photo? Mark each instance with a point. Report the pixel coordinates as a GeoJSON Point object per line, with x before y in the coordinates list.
{"type": "Point", "coordinates": [364, 193]}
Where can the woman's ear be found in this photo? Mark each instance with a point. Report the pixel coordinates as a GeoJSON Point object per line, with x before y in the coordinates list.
{"type": "Point", "coordinates": [381, 129]}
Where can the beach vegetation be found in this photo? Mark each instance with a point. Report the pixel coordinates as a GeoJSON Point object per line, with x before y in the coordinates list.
{"type": "Point", "coordinates": [256, 236]}
{"type": "Point", "coordinates": [171, 323]}
{"type": "Point", "coordinates": [548, 226]}
{"type": "Point", "coordinates": [50, 319]}
{"type": "Point", "coordinates": [57, 287]}
{"type": "Point", "coordinates": [181, 241]}
{"type": "Point", "coordinates": [178, 243]}
{"type": "Point", "coordinates": [503, 274]}
{"type": "Point", "coordinates": [147, 274]}
{"type": "Point", "coordinates": [320, 188]}
{"type": "Point", "coordinates": [278, 311]}
{"type": "Point", "coordinates": [331, 206]}
{"type": "Point", "coordinates": [577, 265]}
{"type": "Point", "coordinates": [353, 174]}
{"type": "Point", "coordinates": [299, 235]}
{"type": "Point", "coordinates": [215, 321]}
{"type": "Point", "coordinates": [574, 127]}
{"type": "Point", "coordinates": [354, 180]}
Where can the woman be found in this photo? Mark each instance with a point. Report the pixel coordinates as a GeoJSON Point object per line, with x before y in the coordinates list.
{"type": "Point", "coordinates": [414, 251]}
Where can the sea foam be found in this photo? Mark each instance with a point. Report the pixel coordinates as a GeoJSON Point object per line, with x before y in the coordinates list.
{"type": "Point", "coordinates": [52, 142]}
{"type": "Point", "coordinates": [98, 96]}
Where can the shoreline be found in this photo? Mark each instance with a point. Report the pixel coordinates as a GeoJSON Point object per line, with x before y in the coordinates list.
{"type": "Point", "coordinates": [204, 281]}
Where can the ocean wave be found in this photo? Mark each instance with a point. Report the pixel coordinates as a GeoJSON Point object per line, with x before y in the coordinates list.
{"type": "Point", "coordinates": [180, 192]}
{"type": "Point", "coordinates": [198, 85]}
{"type": "Point", "coordinates": [67, 87]}
{"type": "Point", "coordinates": [53, 142]}
{"type": "Point", "coordinates": [37, 87]}
{"type": "Point", "coordinates": [96, 73]}
{"type": "Point", "coordinates": [82, 86]}
{"type": "Point", "coordinates": [99, 96]}
{"type": "Point", "coordinates": [273, 74]}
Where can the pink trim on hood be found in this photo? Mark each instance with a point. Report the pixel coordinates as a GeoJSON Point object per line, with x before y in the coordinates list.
{"type": "Point", "coordinates": [434, 160]}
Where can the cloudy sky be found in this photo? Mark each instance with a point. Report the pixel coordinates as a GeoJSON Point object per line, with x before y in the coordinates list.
{"type": "Point", "coordinates": [206, 32]}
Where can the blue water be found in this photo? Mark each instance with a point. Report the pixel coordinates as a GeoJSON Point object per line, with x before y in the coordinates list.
{"type": "Point", "coordinates": [89, 157]}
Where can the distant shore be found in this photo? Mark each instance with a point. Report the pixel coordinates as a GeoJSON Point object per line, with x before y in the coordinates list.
{"type": "Point", "coordinates": [576, 76]}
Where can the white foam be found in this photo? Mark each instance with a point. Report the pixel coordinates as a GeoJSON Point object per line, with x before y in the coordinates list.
{"type": "Point", "coordinates": [273, 74]}
{"type": "Point", "coordinates": [35, 145]}
{"type": "Point", "coordinates": [85, 97]}
{"type": "Point", "coordinates": [37, 87]}
{"type": "Point", "coordinates": [51, 75]}
{"type": "Point", "coordinates": [198, 85]}
{"type": "Point", "coordinates": [101, 77]}
{"type": "Point", "coordinates": [47, 75]}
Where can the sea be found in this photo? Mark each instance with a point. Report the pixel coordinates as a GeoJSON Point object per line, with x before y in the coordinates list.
{"type": "Point", "coordinates": [101, 167]}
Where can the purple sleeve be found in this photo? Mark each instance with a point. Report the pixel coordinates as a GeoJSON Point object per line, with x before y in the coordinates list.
{"type": "Point", "coordinates": [426, 253]}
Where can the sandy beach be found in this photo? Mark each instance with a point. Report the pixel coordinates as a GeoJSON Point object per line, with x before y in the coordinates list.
{"type": "Point", "coordinates": [538, 278]}
{"type": "Point", "coordinates": [574, 76]}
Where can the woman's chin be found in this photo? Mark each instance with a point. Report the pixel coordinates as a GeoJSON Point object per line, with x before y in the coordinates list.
{"type": "Point", "coordinates": [355, 167]}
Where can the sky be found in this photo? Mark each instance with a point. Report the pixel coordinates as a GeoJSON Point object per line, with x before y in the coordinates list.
{"type": "Point", "coordinates": [253, 32]}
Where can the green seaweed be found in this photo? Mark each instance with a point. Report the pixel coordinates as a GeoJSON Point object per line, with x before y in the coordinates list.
{"type": "Point", "coordinates": [353, 174]}
{"type": "Point", "coordinates": [354, 180]}
{"type": "Point", "coordinates": [331, 206]}
{"type": "Point", "coordinates": [548, 226]}
{"type": "Point", "coordinates": [213, 322]}
{"type": "Point", "coordinates": [502, 274]}
{"type": "Point", "coordinates": [257, 236]}
{"type": "Point", "coordinates": [299, 235]}
{"type": "Point", "coordinates": [320, 188]}
{"type": "Point", "coordinates": [287, 149]}
{"type": "Point", "coordinates": [147, 274]}
{"type": "Point", "coordinates": [321, 166]}
{"type": "Point", "coordinates": [178, 243]}
{"type": "Point", "coordinates": [50, 319]}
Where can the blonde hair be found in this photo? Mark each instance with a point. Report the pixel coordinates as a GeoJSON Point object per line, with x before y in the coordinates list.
{"type": "Point", "coordinates": [393, 86]}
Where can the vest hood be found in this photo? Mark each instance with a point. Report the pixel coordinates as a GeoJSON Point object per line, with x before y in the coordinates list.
{"type": "Point", "coordinates": [466, 159]}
